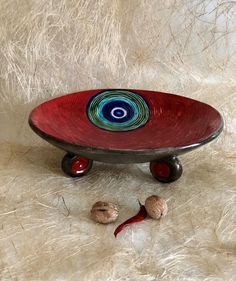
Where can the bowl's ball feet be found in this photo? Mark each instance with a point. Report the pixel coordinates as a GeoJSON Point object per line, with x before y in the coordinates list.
{"type": "Point", "coordinates": [166, 170]}
{"type": "Point", "coordinates": [75, 165]}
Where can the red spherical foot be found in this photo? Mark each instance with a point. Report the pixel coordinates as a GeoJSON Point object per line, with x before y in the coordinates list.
{"type": "Point", "coordinates": [76, 166]}
{"type": "Point", "coordinates": [166, 170]}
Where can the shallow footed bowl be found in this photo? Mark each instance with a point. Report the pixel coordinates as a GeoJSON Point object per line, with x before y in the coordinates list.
{"type": "Point", "coordinates": [125, 126]}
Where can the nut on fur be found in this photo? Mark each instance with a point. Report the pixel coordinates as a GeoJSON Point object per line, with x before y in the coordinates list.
{"type": "Point", "coordinates": [104, 212]}
{"type": "Point", "coordinates": [156, 207]}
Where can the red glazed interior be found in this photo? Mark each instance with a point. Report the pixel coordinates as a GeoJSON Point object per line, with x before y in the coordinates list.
{"type": "Point", "coordinates": [174, 121]}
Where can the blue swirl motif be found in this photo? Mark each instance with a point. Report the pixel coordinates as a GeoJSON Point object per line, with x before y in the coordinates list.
{"type": "Point", "coordinates": [118, 110]}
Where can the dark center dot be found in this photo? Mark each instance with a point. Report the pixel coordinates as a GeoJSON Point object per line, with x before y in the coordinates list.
{"type": "Point", "coordinates": [118, 113]}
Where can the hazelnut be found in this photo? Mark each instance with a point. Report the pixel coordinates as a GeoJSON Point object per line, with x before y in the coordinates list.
{"type": "Point", "coordinates": [104, 212]}
{"type": "Point", "coordinates": [156, 207]}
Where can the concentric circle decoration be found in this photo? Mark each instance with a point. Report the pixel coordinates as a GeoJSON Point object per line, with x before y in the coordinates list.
{"type": "Point", "coordinates": [118, 110]}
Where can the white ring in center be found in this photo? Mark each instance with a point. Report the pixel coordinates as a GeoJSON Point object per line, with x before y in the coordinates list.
{"type": "Point", "coordinates": [120, 109]}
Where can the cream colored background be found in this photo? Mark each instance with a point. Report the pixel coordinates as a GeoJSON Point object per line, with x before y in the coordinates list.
{"type": "Point", "coordinates": [48, 48]}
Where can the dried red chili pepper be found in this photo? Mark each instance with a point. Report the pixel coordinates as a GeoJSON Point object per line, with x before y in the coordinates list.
{"type": "Point", "coordinates": [140, 216]}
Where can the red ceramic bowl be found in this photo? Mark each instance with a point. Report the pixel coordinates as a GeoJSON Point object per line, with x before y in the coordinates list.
{"type": "Point", "coordinates": [125, 126]}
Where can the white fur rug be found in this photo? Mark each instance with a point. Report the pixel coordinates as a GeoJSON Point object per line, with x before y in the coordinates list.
{"type": "Point", "coordinates": [52, 47]}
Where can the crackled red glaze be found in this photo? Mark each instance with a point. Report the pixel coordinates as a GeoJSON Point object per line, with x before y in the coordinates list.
{"type": "Point", "coordinates": [174, 121]}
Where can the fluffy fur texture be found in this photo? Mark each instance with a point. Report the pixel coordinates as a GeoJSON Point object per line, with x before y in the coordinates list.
{"type": "Point", "coordinates": [48, 48]}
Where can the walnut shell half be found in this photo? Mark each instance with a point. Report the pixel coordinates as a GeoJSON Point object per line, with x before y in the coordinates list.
{"type": "Point", "coordinates": [104, 212]}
